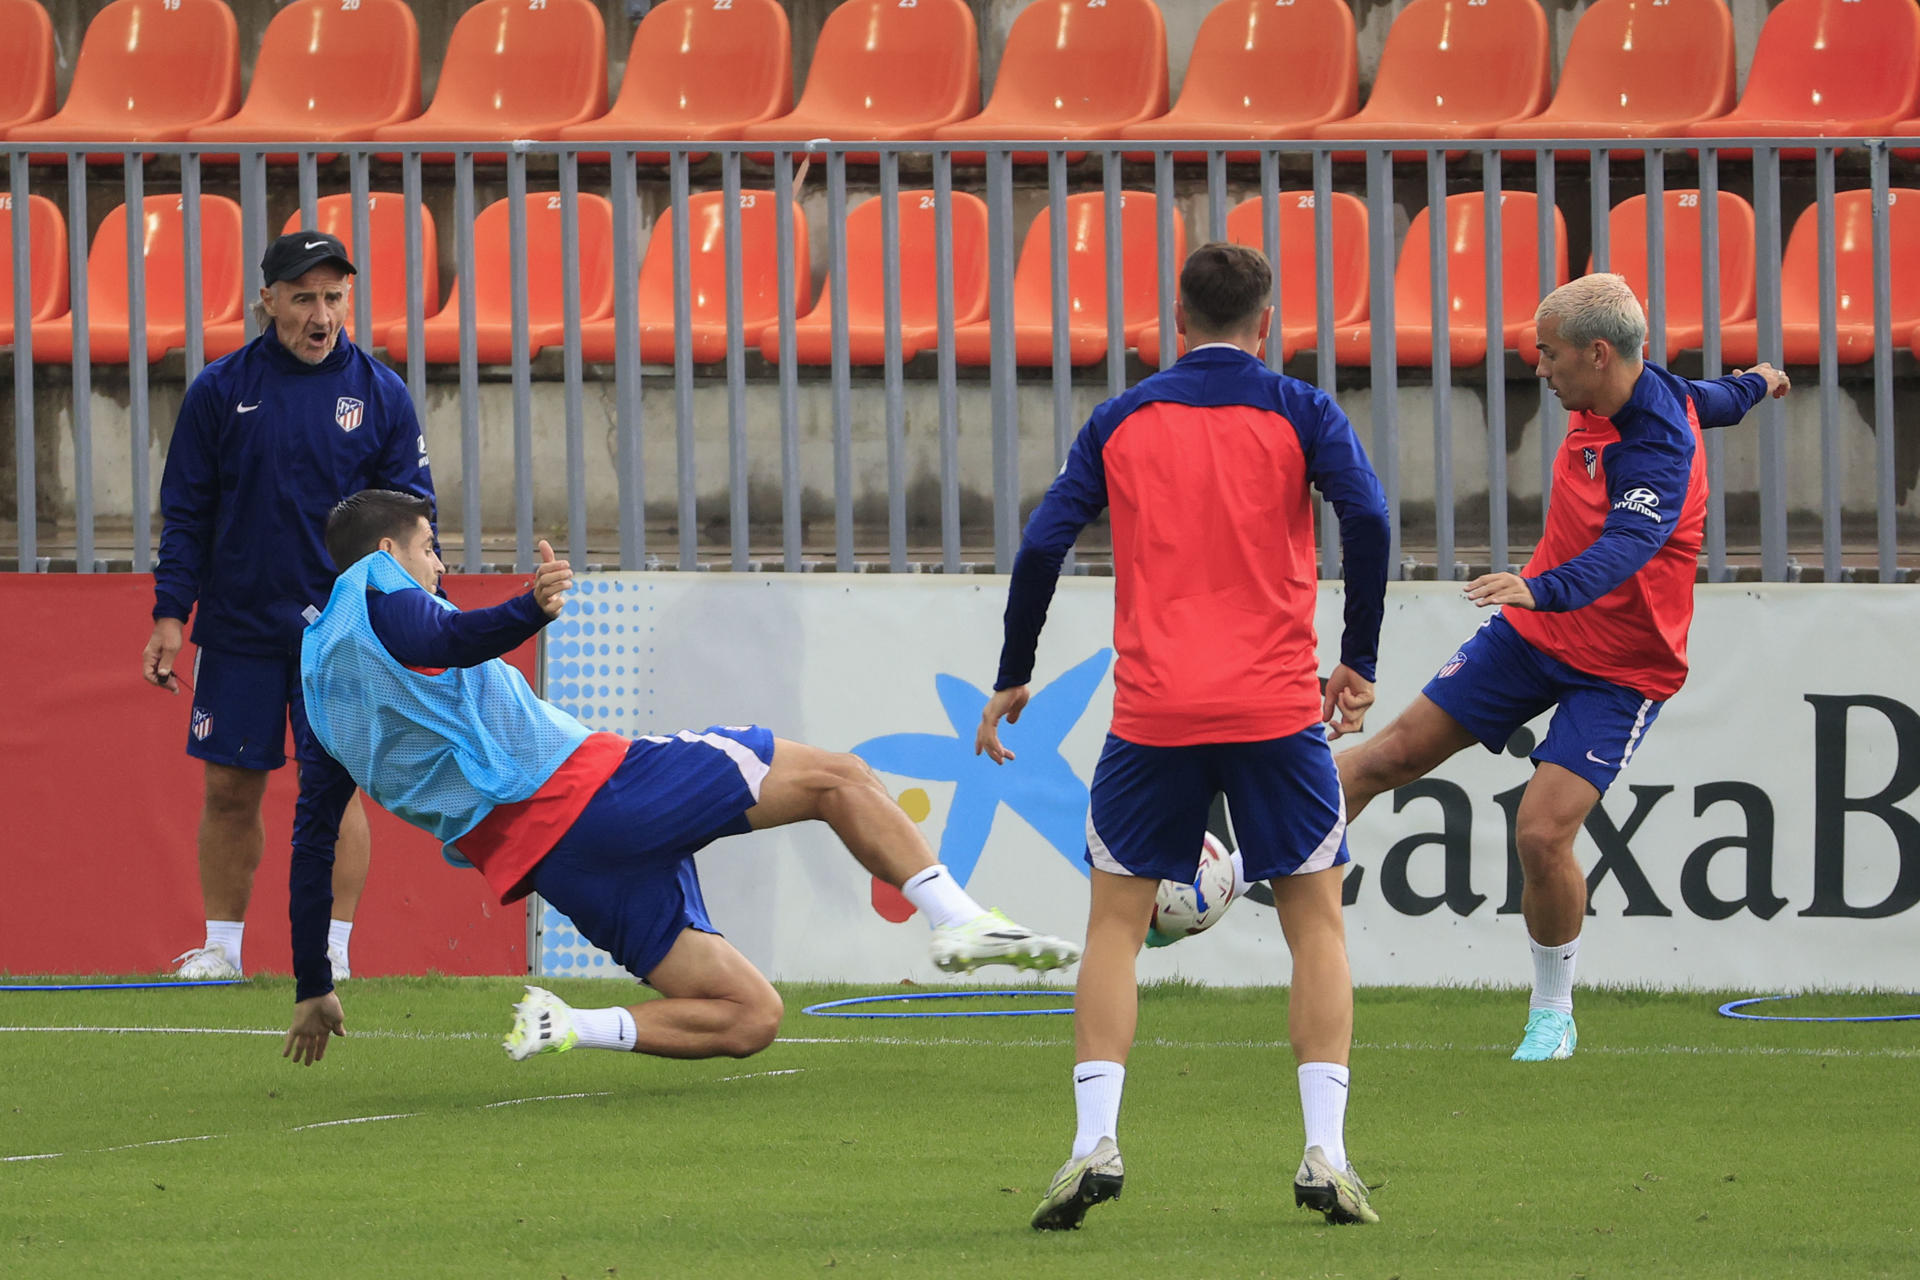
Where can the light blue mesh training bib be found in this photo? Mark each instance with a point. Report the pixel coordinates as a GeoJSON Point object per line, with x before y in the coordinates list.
{"type": "Point", "coordinates": [438, 751]}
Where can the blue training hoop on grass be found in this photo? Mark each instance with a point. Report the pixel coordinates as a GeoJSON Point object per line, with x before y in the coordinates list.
{"type": "Point", "coordinates": [127, 985]}
{"type": "Point", "coordinates": [821, 1010]}
{"type": "Point", "coordinates": [1732, 1007]}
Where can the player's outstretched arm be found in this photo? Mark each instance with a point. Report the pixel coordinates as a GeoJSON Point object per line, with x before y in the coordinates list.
{"type": "Point", "coordinates": [1778, 383]}
{"type": "Point", "coordinates": [1490, 589]}
{"type": "Point", "coordinates": [1007, 703]}
{"type": "Point", "coordinates": [313, 1021]}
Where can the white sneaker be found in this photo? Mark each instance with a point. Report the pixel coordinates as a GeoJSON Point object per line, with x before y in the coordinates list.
{"type": "Point", "coordinates": [542, 1023]}
{"type": "Point", "coordinates": [206, 964]}
{"type": "Point", "coordinates": [1337, 1194]}
{"type": "Point", "coordinates": [994, 939]}
{"type": "Point", "coordinates": [338, 959]}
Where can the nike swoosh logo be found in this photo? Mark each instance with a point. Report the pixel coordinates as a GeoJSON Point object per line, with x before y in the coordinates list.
{"type": "Point", "coordinates": [1341, 1083]}
{"type": "Point", "coordinates": [1597, 760]}
{"type": "Point", "coordinates": [1084, 1079]}
{"type": "Point", "coordinates": [315, 244]}
{"type": "Point", "coordinates": [246, 408]}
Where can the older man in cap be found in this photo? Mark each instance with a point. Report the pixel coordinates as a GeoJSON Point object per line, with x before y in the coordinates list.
{"type": "Point", "coordinates": [267, 441]}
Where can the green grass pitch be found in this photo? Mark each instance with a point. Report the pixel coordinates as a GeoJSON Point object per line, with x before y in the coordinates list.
{"type": "Point", "coordinates": [1676, 1143]}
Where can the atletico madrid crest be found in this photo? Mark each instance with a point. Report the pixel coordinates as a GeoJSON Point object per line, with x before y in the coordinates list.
{"type": "Point", "coordinates": [1591, 458]}
{"type": "Point", "coordinates": [202, 724]}
{"type": "Point", "coordinates": [347, 413]}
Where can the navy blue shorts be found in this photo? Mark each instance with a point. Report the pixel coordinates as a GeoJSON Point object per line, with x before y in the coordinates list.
{"type": "Point", "coordinates": [623, 872]}
{"type": "Point", "coordinates": [1496, 682]}
{"type": "Point", "coordinates": [242, 705]}
{"type": "Point", "coordinates": [1148, 811]}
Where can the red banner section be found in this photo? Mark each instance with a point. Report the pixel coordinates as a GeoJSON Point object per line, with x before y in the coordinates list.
{"type": "Point", "coordinates": [100, 805]}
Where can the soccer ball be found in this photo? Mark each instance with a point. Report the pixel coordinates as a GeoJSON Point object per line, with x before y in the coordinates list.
{"type": "Point", "coordinates": [1180, 909]}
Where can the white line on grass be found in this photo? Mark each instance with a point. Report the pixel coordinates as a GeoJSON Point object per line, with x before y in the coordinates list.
{"type": "Point", "coordinates": [158, 1142]}
{"type": "Point", "coordinates": [256, 1031]}
{"type": "Point", "coordinates": [328, 1124]}
{"type": "Point", "coordinates": [545, 1097]}
{"type": "Point", "coordinates": [757, 1075]}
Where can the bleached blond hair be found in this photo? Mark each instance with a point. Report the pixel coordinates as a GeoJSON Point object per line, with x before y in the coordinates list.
{"type": "Point", "coordinates": [1597, 308]}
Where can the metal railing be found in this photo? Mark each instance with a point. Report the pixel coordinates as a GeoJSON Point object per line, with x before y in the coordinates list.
{"type": "Point", "coordinates": [1388, 174]}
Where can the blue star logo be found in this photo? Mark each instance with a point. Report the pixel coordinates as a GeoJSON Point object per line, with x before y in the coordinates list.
{"type": "Point", "coordinates": [1040, 785]}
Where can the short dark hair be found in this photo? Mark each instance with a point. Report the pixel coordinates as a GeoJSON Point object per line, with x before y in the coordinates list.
{"type": "Point", "coordinates": [358, 522]}
{"type": "Point", "coordinates": [1224, 286]}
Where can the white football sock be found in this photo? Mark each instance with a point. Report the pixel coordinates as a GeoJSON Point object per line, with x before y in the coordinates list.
{"type": "Point", "coordinates": [1323, 1105]}
{"type": "Point", "coordinates": [604, 1028]}
{"type": "Point", "coordinates": [338, 931]}
{"type": "Point", "coordinates": [1553, 976]}
{"type": "Point", "coordinates": [939, 897]}
{"type": "Point", "coordinates": [1240, 882]}
{"type": "Point", "coordinates": [226, 933]}
{"type": "Point", "coordinates": [1096, 1103]}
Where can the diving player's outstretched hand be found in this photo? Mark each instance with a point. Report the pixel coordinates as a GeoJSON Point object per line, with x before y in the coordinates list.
{"type": "Point", "coordinates": [551, 581]}
{"type": "Point", "coordinates": [1778, 384]}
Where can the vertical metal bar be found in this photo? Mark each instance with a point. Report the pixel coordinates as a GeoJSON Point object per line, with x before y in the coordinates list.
{"type": "Point", "coordinates": [1552, 424]}
{"type": "Point", "coordinates": [837, 318]}
{"type": "Point", "coordinates": [1710, 312]}
{"type": "Point", "coordinates": [469, 363]}
{"type": "Point", "coordinates": [366, 269]}
{"type": "Point", "coordinates": [1004, 385]}
{"type": "Point", "coordinates": [1492, 193]}
{"type": "Point", "coordinates": [629, 408]}
{"type": "Point", "coordinates": [77, 223]}
{"type": "Point", "coordinates": [786, 293]}
{"type": "Point", "coordinates": [1832, 460]}
{"type": "Point", "coordinates": [1773, 506]}
{"type": "Point", "coordinates": [416, 289]}
{"type": "Point", "coordinates": [1386, 387]}
{"type": "Point", "coordinates": [193, 282]}
{"type": "Point", "coordinates": [570, 354]}
{"type": "Point", "coordinates": [949, 390]}
{"type": "Point", "coordinates": [1885, 493]}
{"type": "Point", "coordinates": [1164, 213]}
{"type": "Point", "coordinates": [1216, 194]}
{"type": "Point", "coordinates": [1270, 246]}
{"type": "Point", "coordinates": [1323, 350]}
{"type": "Point", "coordinates": [736, 362]}
{"type": "Point", "coordinates": [309, 190]}
{"type": "Point", "coordinates": [253, 218]}
{"type": "Point", "coordinates": [680, 211]}
{"type": "Point", "coordinates": [896, 410]}
{"type": "Point", "coordinates": [1656, 168]}
{"type": "Point", "coordinates": [1599, 200]}
{"type": "Point", "coordinates": [1440, 306]}
{"type": "Point", "coordinates": [25, 481]}
{"type": "Point", "coordinates": [1060, 308]}
{"type": "Point", "coordinates": [522, 377]}
{"type": "Point", "coordinates": [141, 502]}
{"type": "Point", "coordinates": [1112, 201]}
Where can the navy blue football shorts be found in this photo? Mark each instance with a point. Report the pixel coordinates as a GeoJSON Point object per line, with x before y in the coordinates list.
{"type": "Point", "coordinates": [242, 705]}
{"type": "Point", "coordinates": [623, 872]}
{"type": "Point", "coordinates": [1148, 811]}
{"type": "Point", "coordinates": [1496, 682]}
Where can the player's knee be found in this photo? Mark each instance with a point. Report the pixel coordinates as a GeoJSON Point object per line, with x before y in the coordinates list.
{"type": "Point", "coordinates": [234, 792]}
{"type": "Point", "coordinates": [1540, 843]}
{"type": "Point", "coordinates": [757, 1025]}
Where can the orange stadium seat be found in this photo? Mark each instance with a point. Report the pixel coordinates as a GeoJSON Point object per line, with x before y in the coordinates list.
{"type": "Point", "coordinates": [1086, 296]}
{"type": "Point", "coordinates": [1074, 69]}
{"type": "Point", "coordinates": [707, 290]}
{"type": "Point", "coordinates": [514, 70]}
{"type": "Point", "coordinates": [1640, 69]}
{"type": "Point", "coordinates": [1231, 90]}
{"type": "Point", "coordinates": [1906, 129]}
{"type": "Point", "coordinates": [1298, 322]}
{"type": "Point", "coordinates": [46, 258]}
{"type": "Point", "coordinates": [493, 282]}
{"type": "Point", "coordinates": [700, 72]}
{"type": "Point", "coordinates": [108, 313]}
{"type": "Point", "coordinates": [1455, 69]}
{"type": "Point", "coordinates": [383, 275]}
{"type": "Point", "coordinates": [1853, 283]}
{"type": "Point", "coordinates": [883, 70]}
{"type": "Point", "coordinates": [148, 71]}
{"type": "Point", "coordinates": [1686, 307]}
{"type": "Point", "coordinates": [1466, 282]}
{"type": "Point", "coordinates": [26, 64]}
{"type": "Point", "coordinates": [919, 296]}
{"type": "Point", "coordinates": [1827, 68]}
{"type": "Point", "coordinates": [328, 72]}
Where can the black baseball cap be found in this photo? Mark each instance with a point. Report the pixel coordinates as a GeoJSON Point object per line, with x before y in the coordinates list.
{"type": "Point", "coordinates": [298, 252]}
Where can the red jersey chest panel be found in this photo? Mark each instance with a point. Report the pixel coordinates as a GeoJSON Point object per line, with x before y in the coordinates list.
{"type": "Point", "coordinates": [1215, 576]}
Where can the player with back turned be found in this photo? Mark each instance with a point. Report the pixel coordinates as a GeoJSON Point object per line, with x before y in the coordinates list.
{"type": "Point", "coordinates": [1596, 624]}
{"type": "Point", "coordinates": [1207, 468]}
